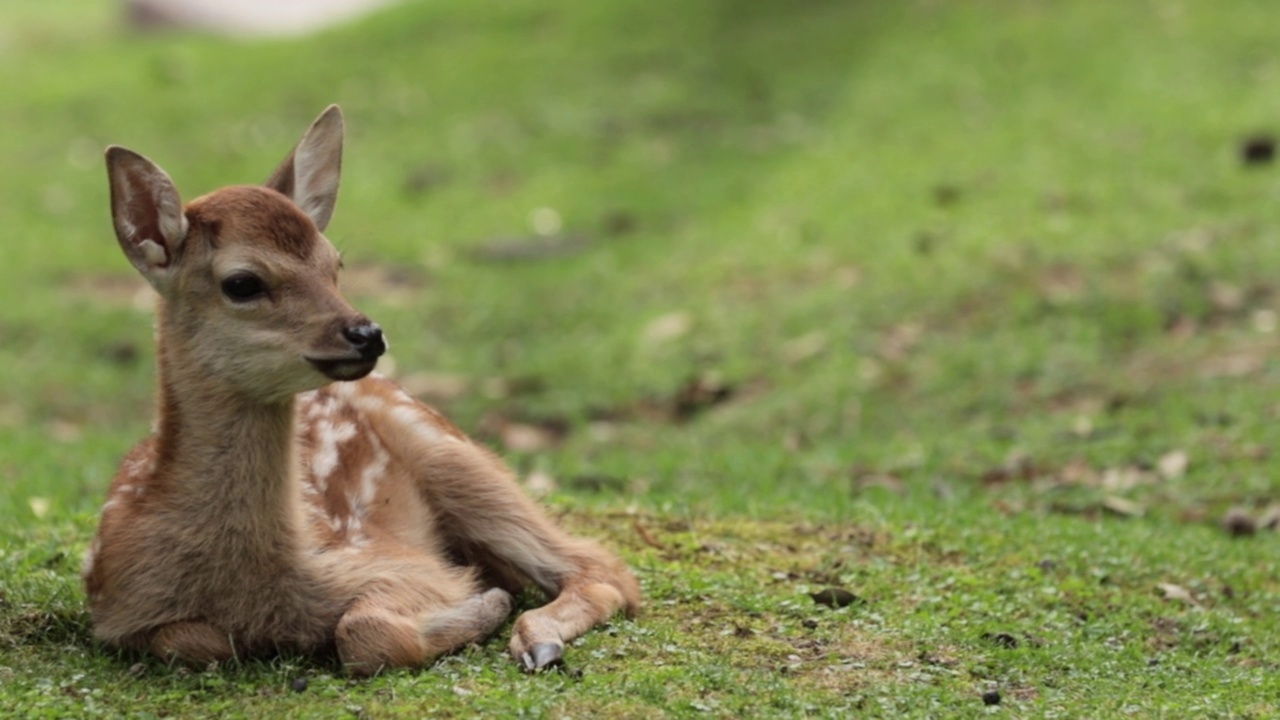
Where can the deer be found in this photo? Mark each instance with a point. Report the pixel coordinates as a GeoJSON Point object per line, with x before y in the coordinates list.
{"type": "Point", "coordinates": [290, 499]}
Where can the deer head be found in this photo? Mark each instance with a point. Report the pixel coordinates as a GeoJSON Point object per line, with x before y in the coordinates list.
{"type": "Point", "coordinates": [248, 283]}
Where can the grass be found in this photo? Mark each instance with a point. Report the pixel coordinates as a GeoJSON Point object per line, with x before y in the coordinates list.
{"type": "Point", "coordinates": [967, 308]}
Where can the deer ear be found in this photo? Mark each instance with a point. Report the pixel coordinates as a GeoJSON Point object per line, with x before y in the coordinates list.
{"type": "Point", "coordinates": [146, 211]}
{"type": "Point", "coordinates": [310, 174]}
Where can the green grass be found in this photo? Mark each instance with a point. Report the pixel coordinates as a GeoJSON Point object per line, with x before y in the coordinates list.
{"type": "Point", "coordinates": [971, 276]}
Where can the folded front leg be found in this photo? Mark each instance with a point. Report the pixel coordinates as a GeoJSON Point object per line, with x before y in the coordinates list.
{"type": "Point", "coordinates": [191, 643]}
{"type": "Point", "coordinates": [372, 636]}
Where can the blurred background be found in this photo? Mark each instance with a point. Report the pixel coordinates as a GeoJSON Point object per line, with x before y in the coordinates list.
{"type": "Point", "coordinates": [739, 256]}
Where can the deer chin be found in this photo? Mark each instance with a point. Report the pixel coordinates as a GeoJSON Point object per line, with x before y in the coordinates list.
{"type": "Point", "coordinates": [343, 369]}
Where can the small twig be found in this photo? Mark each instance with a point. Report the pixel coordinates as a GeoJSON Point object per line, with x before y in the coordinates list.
{"type": "Point", "coordinates": [648, 539]}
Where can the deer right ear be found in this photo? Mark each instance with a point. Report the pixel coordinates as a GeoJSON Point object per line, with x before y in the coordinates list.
{"type": "Point", "coordinates": [309, 175]}
{"type": "Point", "coordinates": [147, 212]}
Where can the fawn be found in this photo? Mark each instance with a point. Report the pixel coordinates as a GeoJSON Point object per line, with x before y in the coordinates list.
{"type": "Point", "coordinates": [274, 509]}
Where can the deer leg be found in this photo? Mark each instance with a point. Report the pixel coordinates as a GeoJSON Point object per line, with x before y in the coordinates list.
{"type": "Point", "coordinates": [485, 518]}
{"type": "Point", "coordinates": [191, 643]}
{"type": "Point", "coordinates": [540, 634]}
{"type": "Point", "coordinates": [472, 621]}
{"type": "Point", "coordinates": [371, 636]}
{"type": "Point", "coordinates": [484, 514]}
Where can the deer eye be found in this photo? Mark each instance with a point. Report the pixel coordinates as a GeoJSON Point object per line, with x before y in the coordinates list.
{"type": "Point", "coordinates": [243, 288]}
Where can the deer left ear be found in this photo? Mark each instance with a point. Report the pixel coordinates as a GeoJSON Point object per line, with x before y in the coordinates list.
{"type": "Point", "coordinates": [146, 211]}
{"type": "Point", "coordinates": [309, 175]}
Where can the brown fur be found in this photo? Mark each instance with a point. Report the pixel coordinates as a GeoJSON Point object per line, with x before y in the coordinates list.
{"type": "Point", "coordinates": [256, 212]}
{"type": "Point", "coordinates": [272, 510]}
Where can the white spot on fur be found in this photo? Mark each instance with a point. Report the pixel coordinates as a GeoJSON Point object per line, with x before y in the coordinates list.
{"type": "Point", "coordinates": [139, 468]}
{"type": "Point", "coordinates": [316, 405]}
{"type": "Point", "coordinates": [370, 477]}
{"type": "Point", "coordinates": [411, 418]}
{"type": "Point", "coordinates": [367, 404]}
{"type": "Point", "coordinates": [355, 533]}
{"type": "Point", "coordinates": [325, 459]}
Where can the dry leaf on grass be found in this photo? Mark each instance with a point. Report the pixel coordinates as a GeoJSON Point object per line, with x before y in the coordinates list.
{"type": "Point", "coordinates": [1177, 593]}
{"type": "Point", "coordinates": [1122, 506]}
{"type": "Point", "coordinates": [539, 483]}
{"type": "Point", "coordinates": [39, 506]}
{"type": "Point", "coordinates": [520, 437]}
{"type": "Point", "coordinates": [647, 537]}
{"type": "Point", "coordinates": [665, 328]}
{"type": "Point", "coordinates": [1173, 465]}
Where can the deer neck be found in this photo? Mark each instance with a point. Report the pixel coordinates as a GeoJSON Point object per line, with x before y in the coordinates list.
{"type": "Point", "coordinates": [230, 460]}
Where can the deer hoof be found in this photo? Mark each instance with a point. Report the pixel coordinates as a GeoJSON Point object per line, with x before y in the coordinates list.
{"type": "Point", "coordinates": [542, 656]}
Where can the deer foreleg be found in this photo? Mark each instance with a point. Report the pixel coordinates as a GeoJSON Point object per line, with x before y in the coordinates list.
{"type": "Point", "coordinates": [372, 636]}
{"type": "Point", "coordinates": [191, 643]}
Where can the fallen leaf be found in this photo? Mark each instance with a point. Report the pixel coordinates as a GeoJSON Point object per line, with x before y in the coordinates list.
{"type": "Point", "coordinates": [668, 327]}
{"type": "Point", "coordinates": [1127, 477]}
{"type": "Point", "coordinates": [527, 438]}
{"type": "Point", "coordinates": [39, 506]}
{"type": "Point", "coordinates": [1236, 364]}
{"type": "Point", "coordinates": [1171, 591]}
{"type": "Point", "coordinates": [1270, 519]}
{"type": "Point", "coordinates": [885, 481]}
{"type": "Point", "coordinates": [1264, 321]}
{"type": "Point", "coordinates": [648, 539]}
{"type": "Point", "coordinates": [1122, 506]}
{"type": "Point", "coordinates": [539, 483]}
{"type": "Point", "coordinates": [1173, 465]}
{"type": "Point", "coordinates": [1077, 472]}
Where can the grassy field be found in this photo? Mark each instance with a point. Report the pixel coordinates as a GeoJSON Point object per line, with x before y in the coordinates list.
{"type": "Point", "coordinates": [968, 309]}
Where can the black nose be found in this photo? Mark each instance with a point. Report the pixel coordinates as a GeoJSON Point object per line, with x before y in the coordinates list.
{"type": "Point", "coordinates": [367, 339]}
